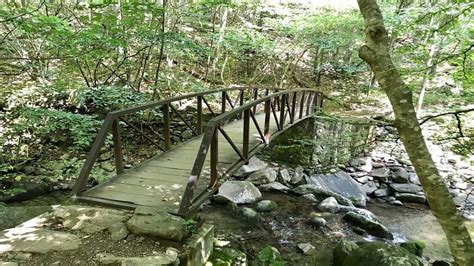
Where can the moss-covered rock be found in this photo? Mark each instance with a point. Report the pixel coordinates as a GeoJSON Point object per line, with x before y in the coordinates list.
{"type": "Point", "coordinates": [381, 254]}
{"type": "Point", "coordinates": [415, 247]}
{"type": "Point", "coordinates": [342, 251]}
{"type": "Point", "coordinates": [228, 257]}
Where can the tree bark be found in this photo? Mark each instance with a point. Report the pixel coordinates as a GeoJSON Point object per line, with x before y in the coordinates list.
{"type": "Point", "coordinates": [376, 53]}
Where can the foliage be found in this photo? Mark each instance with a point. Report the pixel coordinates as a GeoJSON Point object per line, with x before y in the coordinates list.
{"type": "Point", "coordinates": [104, 99]}
{"type": "Point", "coordinates": [29, 129]}
{"type": "Point", "coordinates": [270, 256]}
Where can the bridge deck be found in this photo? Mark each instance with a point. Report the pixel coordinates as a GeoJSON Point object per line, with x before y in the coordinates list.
{"type": "Point", "coordinates": [161, 180]}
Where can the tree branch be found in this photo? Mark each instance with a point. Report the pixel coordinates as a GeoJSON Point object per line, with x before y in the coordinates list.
{"type": "Point", "coordinates": [455, 113]}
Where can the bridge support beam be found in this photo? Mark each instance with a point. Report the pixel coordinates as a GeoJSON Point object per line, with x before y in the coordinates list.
{"type": "Point", "coordinates": [166, 126]}
{"type": "Point", "coordinates": [246, 136]}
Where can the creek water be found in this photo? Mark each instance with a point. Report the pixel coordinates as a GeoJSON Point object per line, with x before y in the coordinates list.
{"type": "Point", "coordinates": [288, 226]}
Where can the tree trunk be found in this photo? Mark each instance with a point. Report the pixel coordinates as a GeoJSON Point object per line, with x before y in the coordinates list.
{"type": "Point", "coordinates": [376, 53]}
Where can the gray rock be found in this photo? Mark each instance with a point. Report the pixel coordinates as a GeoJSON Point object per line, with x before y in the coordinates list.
{"type": "Point", "coordinates": [266, 206]}
{"type": "Point", "coordinates": [340, 183]}
{"type": "Point", "coordinates": [342, 251]}
{"type": "Point", "coordinates": [275, 186]}
{"type": "Point", "coordinates": [284, 176]}
{"type": "Point", "coordinates": [461, 185]}
{"type": "Point", "coordinates": [263, 176]}
{"type": "Point", "coordinates": [380, 193]}
{"type": "Point", "coordinates": [249, 213]}
{"type": "Point", "coordinates": [298, 176]}
{"type": "Point", "coordinates": [377, 165]}
{"type": "Point", "coordinates": [367, 213]}
{"type": "Point", "coordinates": [413, 178]}
{"type": "Point", "coordinates": [408, 197]}
{"type": "Point", "coordinates": [306, 248]}
{"type": "Point", "coordinates": [36, 240]}
{"type": "Point", "coordinates": [158, 223]}
{"type": "Point", "coordinates": [362, 180]}
{"type": "Point", "coordinates": [118, 231]}
{"type": "Point", "coordinates": [311, 197]}
{"type": "Point", "coordinates": [321, 193]}
{"type": "Point", "coordinates": [369, 187]}
{"type": "Point", "coordinates": [354, 162]}
{"type": "Point", "coordinates": [381, 254]}
{"type": "Point", "coordinates": [254, 164]}
{"type": "Point", "coordinates": [406, 188]}
{"type": "Point", "coordinates": [400, 176]}
{"type": "Point", "coordinates": [317, 221]}
{"type": "Point", "coordinates": [89, 219]}
{"type": "Point", "coordinates": [239, 192]}
{"type": "Point", "coordinates": [161, 259]}
{"type": "Point", "coordinates": [329, 205]}
{"type": "Point", "coordinates": [381, 174]}
{"type": "Point", "coordinates": [372, 226]}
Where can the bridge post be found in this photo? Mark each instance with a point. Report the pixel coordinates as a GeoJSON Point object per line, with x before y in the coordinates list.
{"type": "Point", "coordinates": [282, 111]}
{"type": "Point", "coordinates": [302, 104]}
{"type": "Point", "coordinates": [199, 115]}
{"type": "Point", "coordinates": [255, 97]}
{"type": "Point", "coordinates": [266, 129]}
{"type": "Point", "coordinates": [118, 156]}
{"type": "Point", "coordinates": [293, 108]}
{"type": "Point", "coordinates": [166, 129]}
{"type": "Point", "coordinates": [214, 158]}
{"type": "Point", "coordinates": [223, 98]}
{"type": "Point", "coordinates": [308, 104]}
{"type": "Point", "coordinates": [241, 102]}
{"type": "Point", "coordinates": [246, 136]}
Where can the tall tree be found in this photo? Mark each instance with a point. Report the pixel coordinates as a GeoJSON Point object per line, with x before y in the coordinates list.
{"type": "Point", "coordinates": [376, 52]}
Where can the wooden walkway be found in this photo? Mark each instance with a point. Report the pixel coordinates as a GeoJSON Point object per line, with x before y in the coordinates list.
{"type": "Point", "coordinates": [161, 180]}
{"type": "Point", "coordinates": [187, 174]}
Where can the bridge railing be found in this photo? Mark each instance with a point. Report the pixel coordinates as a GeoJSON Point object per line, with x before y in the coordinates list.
{"type": "Point", "coordinates": [298, 104]}
{"type": "Point", "coordinates": [114, 120]}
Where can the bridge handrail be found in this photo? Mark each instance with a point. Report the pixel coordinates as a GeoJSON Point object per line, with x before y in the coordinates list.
{"type": "Point", "coordinates": [210, 139]}
{"type": "Point", "coordinates": [112, 119]}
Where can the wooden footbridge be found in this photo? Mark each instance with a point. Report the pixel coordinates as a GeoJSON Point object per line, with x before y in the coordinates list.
{"type": "Point", "coordinates": [182, 177]}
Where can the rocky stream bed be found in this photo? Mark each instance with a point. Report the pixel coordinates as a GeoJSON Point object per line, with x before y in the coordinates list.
{"type": "Point", "coordinates": [266, 214]}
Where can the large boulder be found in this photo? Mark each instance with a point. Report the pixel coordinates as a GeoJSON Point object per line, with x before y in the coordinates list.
{"type": "Point", "coordinates": [263, 176]}
{"type": "Point", "coordinates": [342, 184]}
{"type": "Point", "coordinates": [89, 219]}
{"type": "Point", "coordinates": [238, 192]}
{"type": "Point", "coordinates": [158, 223]}
{"type": "Point", "coordinates": [36, 240]}
{"type": "Point", "coordinates": [369, 224]}
{"type": "Point", "coordinates": [321, 193]}
{"type": "Point", "coordinates": [381, 254]}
